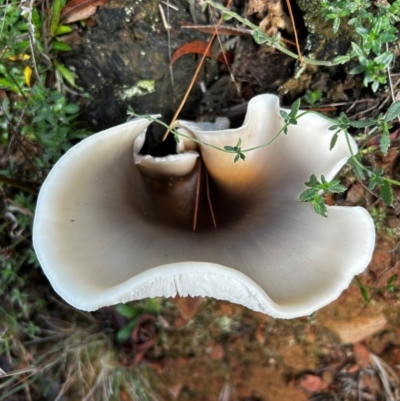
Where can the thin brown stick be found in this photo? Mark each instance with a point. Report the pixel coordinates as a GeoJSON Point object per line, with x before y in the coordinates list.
{"type": "Point", "coordinates": [164, 19]}
{"type": "Point", "coordinates": [209, 202]}
{"type": "Point", "coordinates": [196, 203]}
{"type": "Point", "coordinates": [295, 33]}
{"type": "Point", "coordinates": [196, 73]}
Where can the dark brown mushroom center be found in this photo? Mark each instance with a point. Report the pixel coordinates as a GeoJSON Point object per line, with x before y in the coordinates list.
{"type": "Point", "coordinates": [193, 202]}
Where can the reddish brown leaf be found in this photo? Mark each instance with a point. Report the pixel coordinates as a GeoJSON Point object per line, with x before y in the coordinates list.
{"type": "Point", "coordinates": [200, 47]}
{"type": "Point", "coordinates": [375, 141]}
{"type": "Point", "coordinates": [77, 10]}
{"type": "Point", "coordinates": [226, 58]}
{"type": "Point", "coordinates": [361, 355]}
{"type": "Point", "coordinates": [197, 46]}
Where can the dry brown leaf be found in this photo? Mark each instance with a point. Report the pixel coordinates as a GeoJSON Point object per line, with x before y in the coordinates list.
{"type": "Point", "coordinates": [200, 47]}
{"type": "Point", "coordinates": [197, 46]}
{"type": "Point", "coordinates": [361, 355]}
{"type": "Point", "coordinates": [77, 10]}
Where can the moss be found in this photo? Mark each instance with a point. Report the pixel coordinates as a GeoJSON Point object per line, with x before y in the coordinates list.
{"type": "Point", "coordinates": [322, 42]}
{"type": "Point", "coordinates": [309, 6]}
{"type": "Point", "coordinates": [142, 88]}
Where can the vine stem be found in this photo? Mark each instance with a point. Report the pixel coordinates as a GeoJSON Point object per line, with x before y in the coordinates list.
{"type": "Point", "coordinates": [179, 134]}
{"type": "Point", "coordinates": [394, 182]}
{"type": "Point", "coordinates": [271, 41]}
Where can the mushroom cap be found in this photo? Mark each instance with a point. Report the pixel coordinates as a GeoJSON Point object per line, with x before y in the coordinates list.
{"type": "Point", "coordinates": [105, 233]}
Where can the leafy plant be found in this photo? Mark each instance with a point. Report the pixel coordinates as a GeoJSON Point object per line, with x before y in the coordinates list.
{"type": "Point", "coordinates": [341, 124]}
{"type": "Point", "coordinates": [22, 39]}
{"type": "Point", "coordinates": [374, 28]}
{"type": "Point", "coordinates": [391, 290]}
{"type": "Point", "coordinates": [236, 149]}
{"type": "Point", "coordinates": [316, 191]}
{"type": "Point", "coordinates": [313, 97]}
{"type": "Point", "coordinates": [132, 312]}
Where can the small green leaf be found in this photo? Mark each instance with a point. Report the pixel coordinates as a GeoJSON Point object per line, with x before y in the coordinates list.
{"type": "Point", "coordinates": [361, 30]}
{"type": "Point", "coordinates": [357, 50]}
{"type": "Point", "coordinates": [362, 123]}
{"type": "Point", "coordinates": [313, 181]}
{"type": "Point", "coordinates": [333, 140]}
{"type": "Point", "coordinates": [66, 74]}
{"type": "Point", "coordinates": [308, 194]}
{"type": "Point", "coordinates": [36, 19]}
{"type": "Point", "coordinates": [364, 292]}
{"type": "Point", "coordinates": [55, 15]}
{"type": "Point", "coordinates": [236, 158]}
{"type": "Point", "coordinates": [61, 47]}
{"type": "Point", "coordinates": [387, 37]}
{"type": "Point", "coordinates": [389, 284]}
{"type": "Point", "coordinates": [375, 178]}
{"type": "Point", "coordinates": [385, 58]}
{"type": "Point", "coordinates": [229, 148]}
{"type": "Point", "coordinates": [386, 192]}
{"type": "Point", "coordinates": [127, 310]}
{"type": "Point", "coordinates": [336, 24]}
{"type": "Point", "coordinates": [357, 70]}
{"type": "Point", "coordinates": [151, 305]}
{"type": "Point", "coordinates": [385, 142]}
{"type": "Point", "coordinates": [393, 111]}
{"type": "Point", "coordinates": [9, 84]}
{"type": "Point", "coordinates": [62, 30]}
{"type": "Point", "coordinates": [125, 333]}
{"type": "Point", "coordinates": [336, 188]}
{"type": "Point", "coordinates": [319, 206]}
{"type": "Point", "coordinates": [341, 59]}
{"type": "Point", "coordinates": [295, 108]}
{"type": "Point", "coordinates": [284, 115]}
{"type": "Point", "coordinates": [344, 119]}
{"type": "Point", "coordinates": [71, 108]}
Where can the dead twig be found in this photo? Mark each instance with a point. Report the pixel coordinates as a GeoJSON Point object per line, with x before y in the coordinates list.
{"type": "Point", "coordinates": [295, 33]}
{"type": "Point", "coordinates": [195, 75]}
